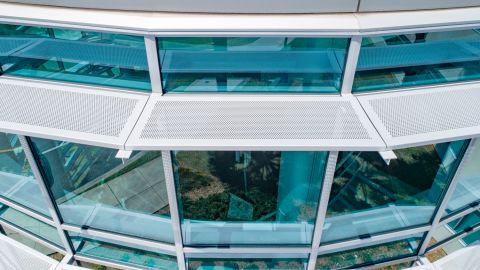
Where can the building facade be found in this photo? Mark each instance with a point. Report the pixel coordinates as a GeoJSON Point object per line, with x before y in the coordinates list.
{"type": "Point", "coordinates": [145, 136]}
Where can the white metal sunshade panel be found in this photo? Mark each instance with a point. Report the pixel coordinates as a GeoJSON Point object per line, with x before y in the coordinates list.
{"type": "Point", "coordinates": [252, 122]}
{"type": "Point", "coordinates": [427, 115]}
{"type": "Point", "coordinates": [68, 112]}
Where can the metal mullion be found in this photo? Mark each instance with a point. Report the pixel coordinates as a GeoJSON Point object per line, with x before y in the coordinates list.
{"type": "Point", "coordinates": [446, 198]}
{"type": "Point", "coordinates": [153, 64]}
{"type": "Point", "coordinates": [168, 249]}
{"type": "Point", "coordinates": [458, 215]}
{"type": "Point", "coordinates": [322, 209]}
{"type": "Point", "coordinates": [351, 64]}
{"type": "Point", "coordinates": [105, 262]}
{"type": "Point", "coordinates": [26, 211]}
{"type": "Point", "coordinates": [32, 236]}
{"type": "Point", "coordinates": [173, 204]}
{"type": "Point", "coordinates": [375, 239]}
{"type": "Point", "coordinates": [46, 194]}
{"type": "Point", "coordinates": [453, 238]}
{"type": "Point", "coordinates": [248, 250]}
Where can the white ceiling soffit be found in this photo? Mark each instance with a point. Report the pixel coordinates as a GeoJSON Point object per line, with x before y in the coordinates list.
{"type": "Point", "coordinates": [165, 23]}
{"type": "Point", "coordinates": [205, 122]}
{"type": "Point", "coordinates": [16, 256]}
{"type": "Point", "coordinates": [74, 113]}
{"type": "Point", "coordinates": [423, 116]}
{"type": "Point", "coordinates": [390, 5]}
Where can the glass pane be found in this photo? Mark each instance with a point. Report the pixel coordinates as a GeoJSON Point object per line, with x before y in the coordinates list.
{"type": "Point", "coordinates": [247, 264]}
{"type": "Point", "coordinates": [398, 266]}
{"type": "Point", "coordinates": [93, 188]}
{"type": "Point", "coordinates": [29, 224]}
{"type": "Point", "coordinates": [370, 254]}
{"type": "Point", "coordinates": [94, 266]}
{"type": "Point", "coordinates": [29, 242]}
{"type": "Point", "coordinates": [368, 196]}
{"type": "Point", "coordinates": [417, 59]}
{"type": "Point", "coordinates": [121, 253]}
{"type": "Point", "coordinates": [252, 64]}
{"type": "Point", "coordinates": [471, 239]}
{"type": "Point", "coordinates": [248, 197]}
{"type": "Point", "coordinates": [16, 177]}
{"type": "Point", "coordinates": [74, 56]}
{"type": "Point", "coordinates": [455, 227]}
{"type": "Point", "coordinates": [468, 187]}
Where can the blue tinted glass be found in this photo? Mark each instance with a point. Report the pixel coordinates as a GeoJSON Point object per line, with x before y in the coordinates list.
{"type": "Point", "coordinates": [417, 59]}
{"type": "Point", "coordinates": [74, 56]}
{"type": "Point", "coordinates": [248, 197]}
{"type": "Point", "coordinates": [372, 254]}
{"type": "Point", "coordinates": [370, 196]}
{"type": "Point", "coordinates": [103, 249]}
{"type": "Point", "coordinates": [252, 64]}
{"type": "Point", "coordinates": [247, 263]}
{"type": "Point", "coordinates": [94, 188]}
{"type": "Point", "coordinates": [31, 225]}
{"type": "Point", "coordinates": [456, 227]}
{"type": "Point", "coordinates": [467, 190]}
{"type": "Point", "coordinates": [16, 178]}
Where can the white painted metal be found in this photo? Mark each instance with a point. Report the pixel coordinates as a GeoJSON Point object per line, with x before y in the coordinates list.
{"type": "Point", "coordinates": [387, 156]}
{"type": "Point", "coordinates": [123, 154]}
{"type": "Point", "coordinates": [448, 194]}
{"type": "Point", "coordinates": [224, 122]}
{"type": "Point", "coordinates": [153, 64]}
{"type": "Point", "coordinates": [16, 256]}
{"type": "Point", "coordinates": [173, 205]}
{"type": "Point", "coordinates": [458, 215]}
{"type": "Point", "coordinates": [453, 238]}
{"type": "Point", "coordinates": [323, 206]}
{"type": "Point", "coordinates": [63, 112]}
{"type": "Point", "coordinates": [42, 184]}
{"type": "Point", "coordinates": [351, 64]}
{"type": "Point", "coordinates": [390, 5]}
{"type": "Point", "coordinates": [426, 115]}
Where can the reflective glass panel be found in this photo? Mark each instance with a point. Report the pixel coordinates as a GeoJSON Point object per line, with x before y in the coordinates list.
{"type": "Point", "coordinates": [247, 263]}
{"type": "Point", "coordinates": [371, 254]}
{"type": "Point", "coordinates": [94, 188]}
{"type": "Point", "coordinates": [248, 197]}
{"type": "Point", "coordinates": [417, 59]}
{"type": "Point", "coordinates": [129, 255]}
{"type": "Point", "coordinates": [467, 190]}
{"type": "Point", "coordinates": [473, 238]}
{"type": "Point", "coordinates": [455, 227]}
{"type": "Point", "coordinates": [17, 183]}
{"type": "Point", "coordinates": [398, 266]}
{"type": "Point", "coordinates": [252, 64]}
{"type": "Point", "coordinates": [370, 196]}
{"type": "Point", "coordinates": [29, 224]}
{"type": "Point", "coordinates": [74, 56]}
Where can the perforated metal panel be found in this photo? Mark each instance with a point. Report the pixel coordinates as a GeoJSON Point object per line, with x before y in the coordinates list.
{"type": "Point", "coordinates": [75, 113]}
{"type": "Point", "coordinates": [253, 122]}
{"type": "Point", "coordinates": [428, 115]}
{"type": "Point", "coordinates": [15, 256]}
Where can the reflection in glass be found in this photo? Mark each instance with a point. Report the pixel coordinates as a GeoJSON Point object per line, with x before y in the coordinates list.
{"type": "Point", "coordinates": [16, 177]}
{"type": "Point", "coordinates": [368, 196]}
{"type": "Point", "coordinates": [467, 190]}
{"type": "Point", "coordinates": [252, 64]}
{"type": "Point", "coordinates": [247, 264]}
{"type": "Point", "coordinates": [248, 197]}
{"type": "Point", "coordinates": [456, 227]}
{"type": "Point", "coordinates": [74, 56]}
{"type": "Point", "coordinates": [417, 59]}
{"type": "Point", "coordinates": [31, 225]}
{"type": "Point", "coordinates": [129, 255]}
{"type": "Point", "coordinates": [370, 255]}
{"type": "Point", "coordinates": [94, 188]}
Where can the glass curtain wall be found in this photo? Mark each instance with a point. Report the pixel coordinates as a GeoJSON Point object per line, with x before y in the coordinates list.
{"type": "Point", "coordinates": [93, 188]}
{"type": "Point", "coordinates": [371, 254]}
{"type": "Point", "coordinates": [417, 59]}
{"type": "Point", "coordinates": [126, 254]}
{"type": "Point", "coordinates": [17, 183]}
{"type": "Point", "coordinates": [249, 262]}
{"type": "Point", "coordinates": [467, 190]}
{"type": "Point", "coordinates": [370, 196]}
{"type": "Point", "coordinates": [74, 56]}
{"type": "Point", "coordinates": [455, 227]}
{"type": "Point", "coordinates": [242, 197]}
{"type": "Point", "coordinates": [252, 64]}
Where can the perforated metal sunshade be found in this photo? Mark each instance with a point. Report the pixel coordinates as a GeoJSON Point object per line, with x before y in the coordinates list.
{"type": "Point", "coordinates": [68, 112]}
{"type": "Point", "coordinates": [427, 115]}
{"type": "Point", "coordinates": [253, 122]}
